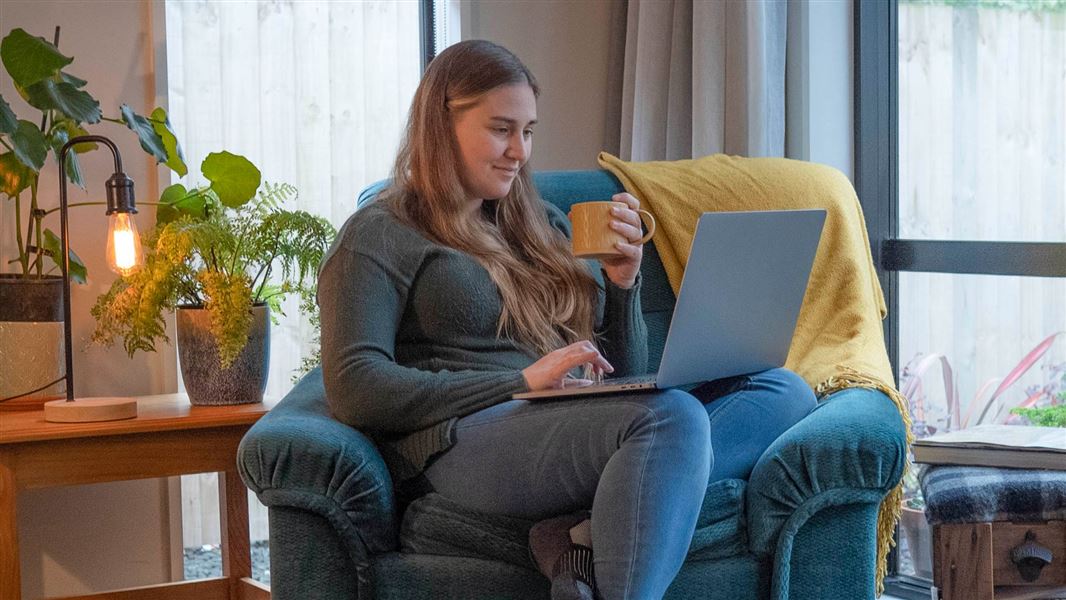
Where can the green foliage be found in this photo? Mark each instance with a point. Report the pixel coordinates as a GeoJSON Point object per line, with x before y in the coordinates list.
{"type": "Point", "coordinates": [54, 246]}
{"type": "Point", "coordinates": [175, 158]}
{"type": "Point", "coordinates": [1046, 416]}
{"type": "Point", "coordinates": [8, 120]}
{"type": "Point", "coordinates": [233, 178]}
{"type": "Point", "coordinates": [309, 306]}
{"type": "Point", "coordinates": [30, 145]}
{"type": "Point", "coordinates": [150, 140]}
{"type": "Point", "coordinates": [220, 258]}
{"type": "Point", "coordinates": [35, 67]}
{"type": "Point", "coordinates": [30, 59]}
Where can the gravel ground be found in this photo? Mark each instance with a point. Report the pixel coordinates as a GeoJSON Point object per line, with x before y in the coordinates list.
{"type": "Point", "coordinates": [206, 561]}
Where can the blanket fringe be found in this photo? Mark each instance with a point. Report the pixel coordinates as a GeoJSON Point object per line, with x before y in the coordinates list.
{"type": "Point", "coordinates": [892, 505]}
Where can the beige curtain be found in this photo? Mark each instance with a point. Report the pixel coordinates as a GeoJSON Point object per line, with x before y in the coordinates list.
{"type": "Point", "coordinates": [703, 76]}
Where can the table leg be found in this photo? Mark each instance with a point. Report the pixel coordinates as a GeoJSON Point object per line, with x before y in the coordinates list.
{"type": "Point", "coordinates": [10, 583]}
{"type": "Point", "coordinates": [236, 550]}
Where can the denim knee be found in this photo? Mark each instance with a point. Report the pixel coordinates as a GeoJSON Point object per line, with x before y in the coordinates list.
{"type": "Point", "coordinates": [679, 417]}
{"type": "Point", "coordinates": [794, 396]}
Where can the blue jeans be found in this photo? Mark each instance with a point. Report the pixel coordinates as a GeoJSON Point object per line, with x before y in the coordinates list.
{"type": "Point", "coordinates": [642, 461]}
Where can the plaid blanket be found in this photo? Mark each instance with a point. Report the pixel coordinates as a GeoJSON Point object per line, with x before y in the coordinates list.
{"type": "Point", "coordinates": [983, 494]}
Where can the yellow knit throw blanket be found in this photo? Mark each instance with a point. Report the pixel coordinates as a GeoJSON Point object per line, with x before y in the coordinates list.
{"type": "Point", "coordinates": [839, 342]}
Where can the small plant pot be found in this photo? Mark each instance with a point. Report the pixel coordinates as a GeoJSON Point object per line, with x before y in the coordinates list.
{"type": "Point", "coordinates": [206, 382]}
{"type": "Point", "coordinates": [31, 341]}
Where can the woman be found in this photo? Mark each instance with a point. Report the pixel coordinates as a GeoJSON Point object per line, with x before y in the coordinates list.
{"type": "Point", "coordinates": [456, 289]}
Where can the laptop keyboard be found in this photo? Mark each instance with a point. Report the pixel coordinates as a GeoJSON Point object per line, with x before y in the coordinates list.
{"type": "Point", "coordinates": [630, 379]}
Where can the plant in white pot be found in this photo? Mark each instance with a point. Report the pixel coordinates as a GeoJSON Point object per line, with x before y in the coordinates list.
{"type": "Point", "coordinates": [55, 107]}
{"type": "Point", "coordinates": [223, 256]}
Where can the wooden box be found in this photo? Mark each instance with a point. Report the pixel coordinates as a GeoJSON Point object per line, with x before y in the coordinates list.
{"type": "Point", "coordinates": [972, 561]}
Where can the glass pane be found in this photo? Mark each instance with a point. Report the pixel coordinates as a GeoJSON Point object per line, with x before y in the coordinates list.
{"type": "Point", "coordinates": [315, 93]}
{"type": "Point", "coordinates": [961, 339]}
{"type": "Point", "coordinates": [201, 530]}
{"type": "Point", "coordinates": [982, 120]}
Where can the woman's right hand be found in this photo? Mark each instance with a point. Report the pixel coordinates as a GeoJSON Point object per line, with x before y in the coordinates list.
{"type": "Point", "coordinates": [550, 372]}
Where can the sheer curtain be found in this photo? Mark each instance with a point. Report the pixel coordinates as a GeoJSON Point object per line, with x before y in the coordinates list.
{"type": "Point", "coordinates": [315, 93]}
{"type": "Point", "coordinates": [702, 77]}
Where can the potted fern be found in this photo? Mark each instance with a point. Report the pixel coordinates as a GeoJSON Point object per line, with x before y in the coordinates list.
{"type": "Point", "coordinates": [223, 257]}
{"type": "Point", "coordinates": [53, 106]}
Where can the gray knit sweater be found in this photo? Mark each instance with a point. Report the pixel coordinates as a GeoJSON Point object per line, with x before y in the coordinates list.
{"type": "Point", "coordinates": [409, 340]}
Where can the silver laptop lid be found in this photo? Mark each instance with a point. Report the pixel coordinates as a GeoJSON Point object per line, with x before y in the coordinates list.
{"type": "Point", "coordinates": [741, 294]}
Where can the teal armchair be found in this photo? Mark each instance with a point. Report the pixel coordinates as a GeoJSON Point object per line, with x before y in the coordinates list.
{"type": "Point", "coordinates": [802, 527]}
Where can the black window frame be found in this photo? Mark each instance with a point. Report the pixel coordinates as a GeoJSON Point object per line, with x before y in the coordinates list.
{"type": "Point", "coordinates": [427, 38]}
{"type": "Point", "coordinates": [876, 182]}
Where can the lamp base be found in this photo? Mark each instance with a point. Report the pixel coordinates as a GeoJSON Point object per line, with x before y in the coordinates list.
{"type": "Point", "coordinates": [88, 410]}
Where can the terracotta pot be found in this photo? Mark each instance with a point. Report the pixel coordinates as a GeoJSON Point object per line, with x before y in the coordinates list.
{"type": "Point", "coordinates": [919, 536]}
{"type": "Point", "coordinates": [31, 341]}
{"type": "Point", "coordinates": [206, 382]}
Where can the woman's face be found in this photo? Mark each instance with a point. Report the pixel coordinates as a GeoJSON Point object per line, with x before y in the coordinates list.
{"type": "Point", "coordinates": [495, 139]}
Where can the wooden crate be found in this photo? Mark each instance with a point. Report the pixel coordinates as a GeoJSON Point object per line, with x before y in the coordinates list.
{"type": "Point", "coordinates": [971, 561]}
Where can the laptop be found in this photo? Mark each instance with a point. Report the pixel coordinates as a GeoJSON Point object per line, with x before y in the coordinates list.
{"type": "Point", "coordinates": [739, 301]}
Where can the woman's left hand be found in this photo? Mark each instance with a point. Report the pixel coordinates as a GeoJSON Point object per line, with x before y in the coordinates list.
{"type": "Point", "coordinates": [623, 269]}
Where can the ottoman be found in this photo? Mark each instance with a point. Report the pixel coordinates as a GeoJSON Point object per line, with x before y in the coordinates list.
{"type": "Point", "coordinates": [997, 533]}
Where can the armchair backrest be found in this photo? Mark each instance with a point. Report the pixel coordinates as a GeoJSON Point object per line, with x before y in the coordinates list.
{"type": "Point", "coordinates": [563, 188]}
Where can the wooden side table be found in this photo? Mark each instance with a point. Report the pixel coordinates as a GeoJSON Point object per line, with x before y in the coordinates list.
{"type": "Point", "coordinates": [168, 437]}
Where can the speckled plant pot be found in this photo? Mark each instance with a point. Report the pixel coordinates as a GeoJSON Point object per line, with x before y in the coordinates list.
{"type": "Point", "coordinates": [31, 341]}
{"type": "Point", "coordinates": [207, 383]}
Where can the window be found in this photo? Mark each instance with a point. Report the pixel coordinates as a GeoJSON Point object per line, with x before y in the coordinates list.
{"type": "Point", "coordinates": [315, 93]}
{"type": "Point", "coordinates": [966, 206]}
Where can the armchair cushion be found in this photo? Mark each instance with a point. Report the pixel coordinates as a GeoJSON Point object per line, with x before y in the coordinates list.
{"type": "Point", "coordinates": [433, 524]}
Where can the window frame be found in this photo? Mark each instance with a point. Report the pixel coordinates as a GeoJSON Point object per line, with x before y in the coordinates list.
{"type": "Point", "coordinates": [877, 184]}
{"type": "Point", "coordinates": [427, 16]}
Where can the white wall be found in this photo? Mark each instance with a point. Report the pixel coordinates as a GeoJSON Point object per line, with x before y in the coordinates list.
{"type": "Point", "coordinates": [87, 538]}
{"type": "Point", "coordinates": [569, 48]}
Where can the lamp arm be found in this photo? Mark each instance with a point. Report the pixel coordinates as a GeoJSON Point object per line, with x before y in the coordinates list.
{"type": "Point", "coordinates": [64, 238]}
{"type": "Point", "coordinates": [82, 139]}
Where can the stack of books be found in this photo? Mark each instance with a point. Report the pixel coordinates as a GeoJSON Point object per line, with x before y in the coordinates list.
{"type": "Point", "coordinates": [1009, 446]}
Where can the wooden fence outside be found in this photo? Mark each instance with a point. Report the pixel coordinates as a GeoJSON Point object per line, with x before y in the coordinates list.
{"type": "Point", "coordinates": [982, 141]}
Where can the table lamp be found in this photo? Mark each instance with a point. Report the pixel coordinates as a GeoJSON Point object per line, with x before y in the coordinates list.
{"type": "Point", "coordinates": [123, 257]}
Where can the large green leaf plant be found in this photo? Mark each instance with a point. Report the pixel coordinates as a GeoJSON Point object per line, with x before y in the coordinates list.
{"type": "Point", "coordinates": [63, 110]}
{"type": "Point", "coordinates": [225, 246]}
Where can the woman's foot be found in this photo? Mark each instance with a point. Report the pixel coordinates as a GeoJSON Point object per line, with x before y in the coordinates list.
{"type": "Point", "coordinates": [572, 577]}
{"type": "Point", "coordinates": [567, 564]}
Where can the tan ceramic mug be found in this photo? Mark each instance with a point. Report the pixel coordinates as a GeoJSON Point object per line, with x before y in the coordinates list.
{"type": "Point", "coordinates": [592, 234]}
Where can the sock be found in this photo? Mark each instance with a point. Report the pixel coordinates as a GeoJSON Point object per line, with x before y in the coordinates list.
{"type": "Point", "coordinates": [577, 561]}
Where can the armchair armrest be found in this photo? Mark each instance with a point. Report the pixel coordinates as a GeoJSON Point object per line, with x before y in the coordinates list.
{"type": "Point", "coordinates": [298, 456]}
{"type": "Point", "coordinates": [850, 449]}
{"type": "Point", "coordinates": [816, 492]}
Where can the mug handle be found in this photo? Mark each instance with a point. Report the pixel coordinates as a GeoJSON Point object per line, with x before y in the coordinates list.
{"type": "Point", "coordinates": [649, 221]}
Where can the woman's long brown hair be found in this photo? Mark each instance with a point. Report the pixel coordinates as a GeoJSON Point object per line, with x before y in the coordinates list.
{"type": "Point", "coordinates": [548, 296]}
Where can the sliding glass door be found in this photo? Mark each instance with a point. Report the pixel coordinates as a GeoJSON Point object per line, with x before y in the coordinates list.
{"type": "Point", "coordinates": [960, 148]}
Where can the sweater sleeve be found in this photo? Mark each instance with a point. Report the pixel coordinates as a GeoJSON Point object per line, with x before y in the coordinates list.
{"type": "Point", "coordinates": [622, 334]}
{"type": "Point", "coordinates": [362, 300]}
